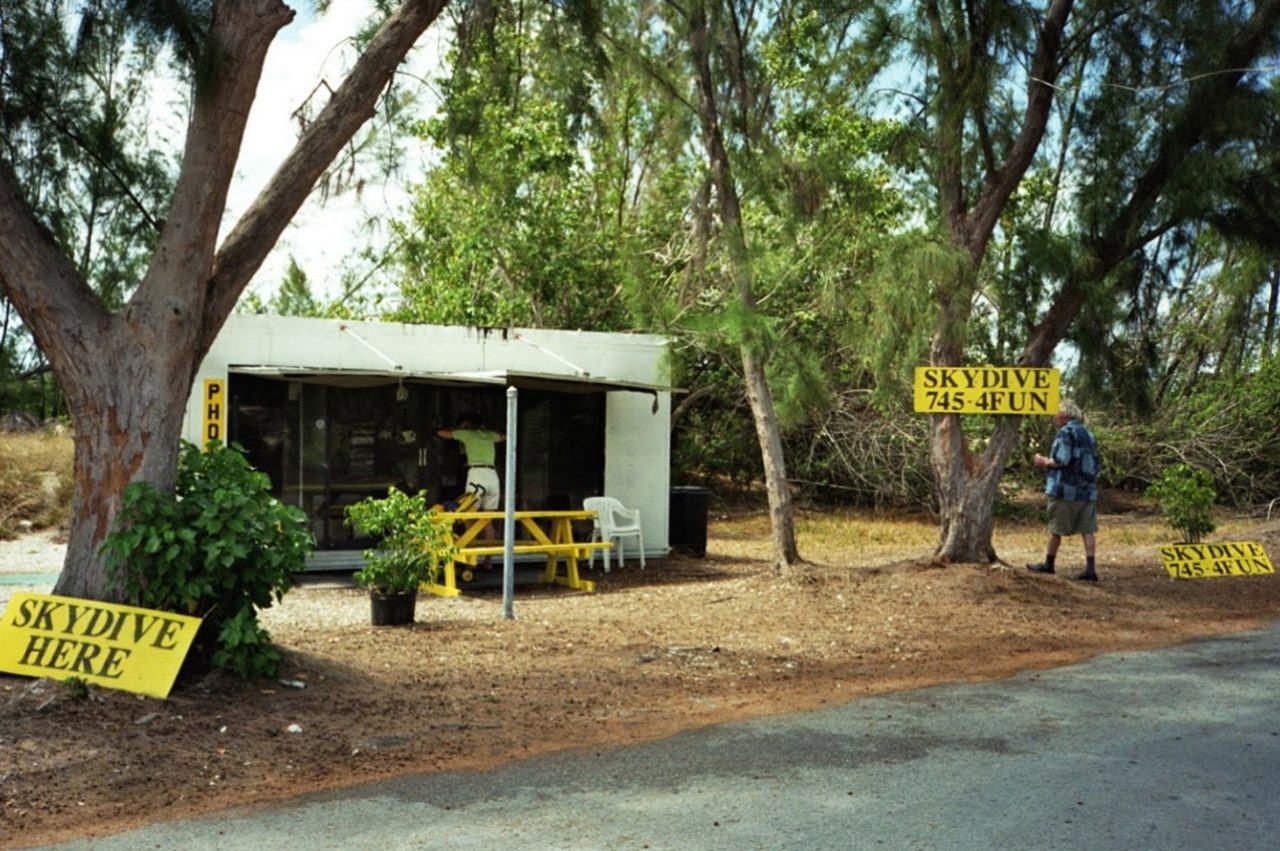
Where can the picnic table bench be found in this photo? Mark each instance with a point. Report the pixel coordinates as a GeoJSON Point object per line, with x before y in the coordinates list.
{"type": "Point", "coordinates": [556, 542]}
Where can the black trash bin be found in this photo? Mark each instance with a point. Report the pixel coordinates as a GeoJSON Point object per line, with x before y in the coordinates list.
{"type": "Point", "coordinates": [689, 519]}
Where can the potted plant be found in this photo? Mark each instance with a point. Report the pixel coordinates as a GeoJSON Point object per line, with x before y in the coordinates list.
{"type": "Point", "coordinates": [412, 544]}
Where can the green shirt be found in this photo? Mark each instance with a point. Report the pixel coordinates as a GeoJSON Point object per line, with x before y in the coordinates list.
{"type": "Point", "coordinates": [478, 443]}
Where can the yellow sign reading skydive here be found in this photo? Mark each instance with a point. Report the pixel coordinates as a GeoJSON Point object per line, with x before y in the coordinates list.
{"type": "Point", "coordinates": [1202, 561]}
{"type": "Point", "coordinates": [213, 417]}
{"type": "Point", "coordinates": [122, 647]}
{"type": "Point", "coordinates": [986, 390]}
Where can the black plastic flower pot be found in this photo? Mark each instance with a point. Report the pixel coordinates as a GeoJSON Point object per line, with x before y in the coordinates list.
{"type": "Point", "coordinates": [392, 609]}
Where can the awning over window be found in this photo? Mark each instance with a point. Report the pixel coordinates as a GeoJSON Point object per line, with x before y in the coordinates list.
{"type": "Point", "coordinates": [492, 378]}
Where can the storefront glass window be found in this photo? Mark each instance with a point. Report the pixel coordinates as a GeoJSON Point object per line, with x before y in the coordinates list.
{"type": "Point", "coordinates": [326, 446]}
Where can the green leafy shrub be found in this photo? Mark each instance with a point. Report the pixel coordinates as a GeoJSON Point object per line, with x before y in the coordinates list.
{"type": "Point", "coordinates": [219, 547]}
{"type": "Point", "coordinates": [1186, 496]}
{"type": "Point", "coordinates": [1225, 427]}
{"type": "Point", "coordinates": [413, 542]}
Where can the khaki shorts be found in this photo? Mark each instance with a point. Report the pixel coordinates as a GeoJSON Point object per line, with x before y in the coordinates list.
{"type": "Point", "coordinates": [483, 481]}
{"type": "Point", "coordinates": [1070, 517]}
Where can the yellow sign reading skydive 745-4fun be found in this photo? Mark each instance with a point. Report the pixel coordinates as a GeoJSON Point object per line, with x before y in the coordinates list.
{"type": "Point", "coordinates": [123, 647]}
{"type": "Point", "coordinates": [986, 390]}
{"type": "Point", "coordinates": [1205, 561]}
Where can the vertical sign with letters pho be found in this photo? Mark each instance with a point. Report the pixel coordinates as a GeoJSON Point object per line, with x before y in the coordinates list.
{"type": "Point", "coordinates": [213, 415]}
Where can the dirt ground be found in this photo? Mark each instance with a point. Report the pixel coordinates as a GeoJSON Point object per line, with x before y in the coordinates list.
{"type": "Point", "coordinates": [684, 643]}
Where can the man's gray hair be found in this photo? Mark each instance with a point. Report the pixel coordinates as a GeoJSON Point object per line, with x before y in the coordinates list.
{"type": "Point", "coordinates": [1070, 410]}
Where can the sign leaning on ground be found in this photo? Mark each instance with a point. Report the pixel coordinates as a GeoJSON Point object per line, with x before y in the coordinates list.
{"type": "Point", "coordinates": [986, 390]}
{"type": "Point", "coordinates": [121, 647]}
{"type": "Point", "coordinates": [1204, 561]}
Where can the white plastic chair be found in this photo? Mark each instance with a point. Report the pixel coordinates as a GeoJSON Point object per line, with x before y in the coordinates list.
{"type": "Point", "coordinates": [613, 522]}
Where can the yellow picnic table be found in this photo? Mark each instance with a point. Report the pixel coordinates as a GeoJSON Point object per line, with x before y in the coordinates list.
{"type": "Point", "coordinates": [556, 542]}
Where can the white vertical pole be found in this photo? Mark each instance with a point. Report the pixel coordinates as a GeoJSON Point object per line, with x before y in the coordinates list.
{"type": "Point", "coordinates": [509, 503]}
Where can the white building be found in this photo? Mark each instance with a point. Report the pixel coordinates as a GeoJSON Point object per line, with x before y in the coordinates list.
{"type": "Point", "coordinates": [334, 411]}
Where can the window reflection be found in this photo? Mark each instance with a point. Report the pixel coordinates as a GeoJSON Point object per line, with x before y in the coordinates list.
{"type": "Point", "coordinates": [326, 446]}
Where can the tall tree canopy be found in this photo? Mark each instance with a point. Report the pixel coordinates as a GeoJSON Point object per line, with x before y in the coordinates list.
{"type": "Point", "coordinates": [102, 206]}
{"type": "Point", "coordinates": [127, 369]}
{"type": "Point", "coordinates": [717, 181]}
{"type": "Point", "coordinates": [1122, 121]}
{"type": "Point", "coordinates": [804, 193]}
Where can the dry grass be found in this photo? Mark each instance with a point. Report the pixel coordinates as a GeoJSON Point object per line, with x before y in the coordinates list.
{"type": "Point", "coordinates": [849, 529]}
{"type": "Point", "coordinates": [36, 486]}
{"type": "Point", "coordinates": [35, 481]}
{"type": "Point", "coordinates": [857, 538]}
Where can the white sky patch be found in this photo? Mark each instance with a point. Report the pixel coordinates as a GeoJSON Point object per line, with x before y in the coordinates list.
{"type": "Point", "coordinates": [322, 237]}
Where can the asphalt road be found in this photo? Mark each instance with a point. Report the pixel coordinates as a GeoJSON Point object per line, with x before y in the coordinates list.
{"type": "Point", "coordinates": [1171, 749]}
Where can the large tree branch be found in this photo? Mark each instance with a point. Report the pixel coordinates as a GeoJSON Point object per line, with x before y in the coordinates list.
{"type": "Point", "coordinates": [1210, 97]}
{"type": "Point", "coordinates": [252, 238]}
{"type": "Point", "coordinates": [240, 35]}
{"type": "Point", "coordinates": [950, 135]}
{"type": "Point", "coordinates": [53, 299]}
{"type": "Point", "coordinates": [1046, 64]}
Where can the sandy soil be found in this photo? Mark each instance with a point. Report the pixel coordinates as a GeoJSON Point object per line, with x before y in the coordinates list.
{"type": "Point", "coordinates": [38, 552]}
{"type": "Point", "coordinates": [684, 643]}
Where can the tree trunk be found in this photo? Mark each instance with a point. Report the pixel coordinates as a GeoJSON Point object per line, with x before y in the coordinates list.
{"type": "Point", "coordinates": [967, 526]}
{"type": "Point", "coordinates": [967, 487]}
{"type": "Point", "coordinates": [128, 376]}
{"type": "Point", "coordinates": [127, 415]}
{"type": "Point", "coordinates": [1273, 300]}
{"type": "Point", "coordinates": [967, 483]}
{"type": "Point", "coordinates": [781, 516]}
{"type": "Point", "coordinates": [786, 554]}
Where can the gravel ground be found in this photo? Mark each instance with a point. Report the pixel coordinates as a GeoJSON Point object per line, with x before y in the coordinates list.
{"type": "Point", "coordinates": [683, 644]}
{"type": "Point", "coordinates": [36, 552]}
{"type": "Point", "coordinates": [30, 563]}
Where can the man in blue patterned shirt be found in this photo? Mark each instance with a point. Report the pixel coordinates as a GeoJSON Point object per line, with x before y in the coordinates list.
{"type": "Point", "coordinates": [1072, 486]}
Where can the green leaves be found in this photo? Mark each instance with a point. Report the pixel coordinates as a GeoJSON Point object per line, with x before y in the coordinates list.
{"type": "Point", "coordinates": [244, 647]}
{"type": "Point", "coordinates": [510, 229]}
{"type": "Point", "coordinates": [1186, 495]}
{"type": "Point", "coordinates": [219, 548]}
{"type": "Point", "coordinates": [413, 542]}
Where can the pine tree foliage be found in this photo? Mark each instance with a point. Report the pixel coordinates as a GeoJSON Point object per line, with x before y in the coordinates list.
{"type": "Point", "coordinates": [127, 373]}
{"type": "Point", "coordinates": [95, 173]}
